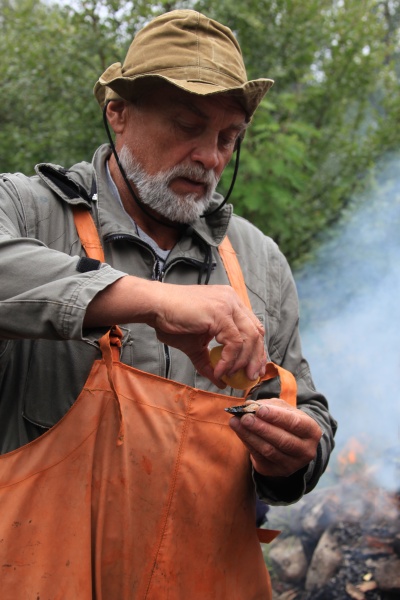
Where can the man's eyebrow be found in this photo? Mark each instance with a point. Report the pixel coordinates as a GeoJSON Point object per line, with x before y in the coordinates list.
{"type": "Point", "coordinates": [240, 127]}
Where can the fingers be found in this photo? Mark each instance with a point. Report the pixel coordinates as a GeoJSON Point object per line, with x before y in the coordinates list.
{"type": "Point", "coordinates": [243, 348]}
{"type": "Point", "coordinates": [281, 439]}
{"type": "Point", "coordinates": [241, 334]}
{"type": "Point", "coordinates": [279, 417]}
{"type": "Point", "coordinates": [211, 312]}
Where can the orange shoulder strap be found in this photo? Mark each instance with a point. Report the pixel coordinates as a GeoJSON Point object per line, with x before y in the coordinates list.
{"type": "Point", "coordinates": [88, 233]}
{"type": "Point", "coordinates": [90, 240]}
{"type": "Point", "coordinates": [235, 276]}
{"type": "Point", "coordinates": [232, 267]}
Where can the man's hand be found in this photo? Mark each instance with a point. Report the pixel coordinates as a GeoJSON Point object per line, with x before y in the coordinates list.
{"type": "Point", "coordinates": [281, 439]}
{"type": "Point", "coordinates": [187, 317]}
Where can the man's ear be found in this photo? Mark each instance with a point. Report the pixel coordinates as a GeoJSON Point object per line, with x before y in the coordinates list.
{"type": "Point", "coordinates": [117, 113]}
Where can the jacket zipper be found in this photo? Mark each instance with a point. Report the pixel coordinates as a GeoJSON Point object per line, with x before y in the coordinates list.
{"type": "Point", "coordinates": [111, 237]}
{"type": "Point", "coordinates": [158, 275]}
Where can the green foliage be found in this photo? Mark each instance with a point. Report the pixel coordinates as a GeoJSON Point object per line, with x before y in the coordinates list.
{"type": "Point", "coordinates": [48, 70]}
{"type": "Point", "coordinates": [332, 113]}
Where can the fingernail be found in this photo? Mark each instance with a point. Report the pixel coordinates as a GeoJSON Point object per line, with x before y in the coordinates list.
{"type": "Point", "coordinates": [248, 420]}
{"type": "Point", "coordinates": [263, 411]}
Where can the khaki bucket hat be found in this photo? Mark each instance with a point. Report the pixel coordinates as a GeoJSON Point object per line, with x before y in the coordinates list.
{"type": "Point", "coordinates": [189, 51]}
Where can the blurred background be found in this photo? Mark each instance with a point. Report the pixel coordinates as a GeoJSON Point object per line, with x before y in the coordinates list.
{"type": "Point", "coordinates": [319, 169]}
{"type": "Point", "coordinates": [349, 295]}
{"type": "Point", "coordinates": [316, 141]}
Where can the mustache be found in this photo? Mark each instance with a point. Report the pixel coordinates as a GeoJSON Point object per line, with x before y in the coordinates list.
{"type": "Point", "coordinates": [194, 172]}
{"type": "Point", "coordinates": [198, 173]}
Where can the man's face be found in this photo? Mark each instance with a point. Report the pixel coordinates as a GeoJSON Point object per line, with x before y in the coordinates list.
{"type": "Point", "coordinates": [175, 148]}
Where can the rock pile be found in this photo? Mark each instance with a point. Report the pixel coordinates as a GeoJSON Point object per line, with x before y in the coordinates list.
{"type": "Point", "coordinates": [337, 543]}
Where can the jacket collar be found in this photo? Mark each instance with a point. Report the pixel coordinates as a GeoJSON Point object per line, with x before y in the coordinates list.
{"type": "Point", "coordinates": [86, 185]}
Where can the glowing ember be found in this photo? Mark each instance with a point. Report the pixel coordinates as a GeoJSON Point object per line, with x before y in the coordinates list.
{"type": "Point", "coordinates": [351, 456]}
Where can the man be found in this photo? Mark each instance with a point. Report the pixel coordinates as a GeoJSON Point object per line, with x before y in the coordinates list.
{"type": "Point", "coordinates": [179, 108]}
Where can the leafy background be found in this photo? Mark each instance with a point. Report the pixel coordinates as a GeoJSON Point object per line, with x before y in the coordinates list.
{"type": "Point", "coordinates": [315, 142]}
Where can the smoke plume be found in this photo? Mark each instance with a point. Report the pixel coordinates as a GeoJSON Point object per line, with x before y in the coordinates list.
{"type": "Point", "coordinates": [350, 309]}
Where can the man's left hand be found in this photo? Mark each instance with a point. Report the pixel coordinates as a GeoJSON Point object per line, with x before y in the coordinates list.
{"type": "Point", "coordinates": [281, 439]}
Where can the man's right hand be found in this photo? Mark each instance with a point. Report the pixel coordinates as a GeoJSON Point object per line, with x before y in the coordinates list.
{"type": "Point", "coordinates": [191, 316]}
{"type": "Point", "coordinates": [187, 318]}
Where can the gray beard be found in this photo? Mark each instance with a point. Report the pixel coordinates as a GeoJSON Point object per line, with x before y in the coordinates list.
{"type": "Point", "coordinates": [154, 190]}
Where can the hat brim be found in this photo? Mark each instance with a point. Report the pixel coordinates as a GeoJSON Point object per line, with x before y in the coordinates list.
{"type": "Point", "coordinates": [249, 94]}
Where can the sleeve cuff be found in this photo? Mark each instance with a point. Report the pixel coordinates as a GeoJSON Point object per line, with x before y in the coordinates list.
{"type": "Point", "coordinates": [287, 490]}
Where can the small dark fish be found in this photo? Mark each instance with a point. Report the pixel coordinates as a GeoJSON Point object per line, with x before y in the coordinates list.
{"type": "Point", "coordinates": [243, 409]}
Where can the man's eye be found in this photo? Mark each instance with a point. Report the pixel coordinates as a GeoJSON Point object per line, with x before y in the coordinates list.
{"type": "Point", "coordinates": [227, 141]}
{"type": "Point", "coordinates": [188, 127]}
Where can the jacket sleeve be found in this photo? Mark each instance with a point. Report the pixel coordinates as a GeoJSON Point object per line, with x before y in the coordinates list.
{"type": "Point", "coordinates": [285, 350]}
{"type": "Point", "coordinates": [42, 292]}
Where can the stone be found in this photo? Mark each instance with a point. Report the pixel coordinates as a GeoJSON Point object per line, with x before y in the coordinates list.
{"type": "Point", "coordinates": [387, 575]}
{"type": "Point", "coordinates": [325, 561]}
{"type": "Point", "coordinates": [288, 559]}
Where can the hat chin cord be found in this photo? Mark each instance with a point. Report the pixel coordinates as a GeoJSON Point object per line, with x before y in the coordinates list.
{"type": "Point", "coordinates": [141, 204]}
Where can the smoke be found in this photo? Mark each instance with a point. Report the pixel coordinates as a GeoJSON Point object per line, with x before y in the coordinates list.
{"type": "Point", "coordinates": [350, 307]}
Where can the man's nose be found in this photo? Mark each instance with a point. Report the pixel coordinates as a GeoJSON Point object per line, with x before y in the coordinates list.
{"type": "Point", "coordinates": [206, 153]}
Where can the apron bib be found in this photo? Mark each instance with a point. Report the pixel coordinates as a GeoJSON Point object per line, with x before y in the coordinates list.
{"type": "Point", "coordinates": [140, 492]}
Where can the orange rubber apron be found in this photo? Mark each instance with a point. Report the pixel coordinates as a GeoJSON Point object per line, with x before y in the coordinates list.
{"type": "Point", "coordinates": [141, 491]}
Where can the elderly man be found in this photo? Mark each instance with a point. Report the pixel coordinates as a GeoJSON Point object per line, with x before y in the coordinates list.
{"type": "Point", "coordinates": [136, 482]}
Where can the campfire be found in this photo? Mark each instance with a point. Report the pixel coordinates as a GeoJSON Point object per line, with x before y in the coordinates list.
{"type": "Point", "coordinates": [342, 540]}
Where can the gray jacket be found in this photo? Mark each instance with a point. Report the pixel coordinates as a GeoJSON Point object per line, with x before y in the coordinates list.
{"type": "Point", "coordinates": [46, 355]}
